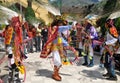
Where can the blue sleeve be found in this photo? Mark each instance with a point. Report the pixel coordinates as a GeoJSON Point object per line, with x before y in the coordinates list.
{"type": "Point", "coordinates": [63, 28]}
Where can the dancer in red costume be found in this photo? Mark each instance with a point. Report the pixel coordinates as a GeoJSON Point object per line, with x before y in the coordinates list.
{"type": "Point", "coordinates": [56, 45]}
{"type": "Point", "coordinates": [14, 48]}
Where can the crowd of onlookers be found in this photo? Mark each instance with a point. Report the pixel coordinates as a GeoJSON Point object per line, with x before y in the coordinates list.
{"type": "Point", "coordinates": [38, 36]}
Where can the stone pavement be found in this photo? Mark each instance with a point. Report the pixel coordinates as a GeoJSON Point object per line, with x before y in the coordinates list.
{"type": "Point", "coordinates": [40, 71]}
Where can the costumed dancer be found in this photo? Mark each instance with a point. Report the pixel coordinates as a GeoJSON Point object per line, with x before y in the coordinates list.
{"type": "Point", "coordinates": [13, 44]}
{"type": "Point", "coordinates": [55, 44]}
{"type": "Point", "coordinates": [18, 49]}
{"type": "Point", "coordinates": [107, 57]}
{"type": "Point", "coordinates": [91, 35]}
{"type": "Point", "coordinates": [8, 35]}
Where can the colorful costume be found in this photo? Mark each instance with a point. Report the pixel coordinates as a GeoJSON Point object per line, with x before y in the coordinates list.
{"type": "Point", "coordinates": [88, 46]}
{"type": "Point", "coordinates": [13, 43]}
{"type": "Point", "coordinates": [109, 50]}
{"type": "Point", "coordinates": [56, 45]}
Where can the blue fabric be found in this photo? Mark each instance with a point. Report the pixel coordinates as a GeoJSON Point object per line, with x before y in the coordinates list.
{"type": "Point", "coordinates": [60, 30]}
{"type": "Point", "coordinates": [112, 70]}
{"type": "Point", "coordinates": [63, 28]}
{"type": "Point", "coordinates": [65, 43]}
{"type": "Point", "coordinates": [109, 64]}
{"type": "Point", "coordinates": [91, 62]}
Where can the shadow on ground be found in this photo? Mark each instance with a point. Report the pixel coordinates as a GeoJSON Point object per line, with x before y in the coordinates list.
{"type": "Point", "coordinates": [118, 73]}
{"type": "Point", "coordinates": [47, 73]}
{"type": "Point", "coordinates": [93, 74]}
{"type": "Point", "coordinates": [44, 72]}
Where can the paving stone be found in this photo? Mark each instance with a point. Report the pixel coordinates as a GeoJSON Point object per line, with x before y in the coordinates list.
{"type": "Point", "coordinates": [40, 71]}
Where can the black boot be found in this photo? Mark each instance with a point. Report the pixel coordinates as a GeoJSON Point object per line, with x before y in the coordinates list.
{"type": "Point", "coordinates": [86, 61]}
{"type": "Point", "coordinates": [106, 75]}
{"type": "Point", "coordinates": [112, 78]}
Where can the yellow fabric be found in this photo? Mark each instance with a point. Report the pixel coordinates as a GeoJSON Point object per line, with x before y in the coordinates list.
{"type": "Point", "coordinates": [8, 35]}
{"type": "Point", "coordinates": [59, 40]}
{"type": "Point", "coordinates": [54, 47]}
{"type": "Point", "coordinates": [21, 69]}
{"type": "Point", "coordinates": [38, 32]}
{"type": "Point", "coordinates": [65, 62]}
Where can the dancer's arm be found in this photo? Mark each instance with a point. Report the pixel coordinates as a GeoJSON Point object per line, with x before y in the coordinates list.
{"type": "Point", "coordinates": [63, 28]}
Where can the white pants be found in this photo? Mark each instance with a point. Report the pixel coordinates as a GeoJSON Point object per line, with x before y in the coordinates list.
{"type": "Point", "coordinates": [111, 42]}
{"type": "Point", "coordinates": [57, 58]}
{"type": "Point", "coordinates": [80, 45]}
{"type": "Point", "coordinates": [91, 50]}
{"type": "Point", "coordinates": [10, 60]}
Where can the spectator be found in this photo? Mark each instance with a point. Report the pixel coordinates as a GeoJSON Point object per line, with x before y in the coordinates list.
{"type": "Point", "coordinates": [38, 34]}
{"type": "Point", "coordinates": [34, 37]}
{"type": "Point", "coordinates": [30, 43]}
{"type": "Point", "coordinates": [44, 35]}
{"type": "Point", "coordinates": [24, 28]}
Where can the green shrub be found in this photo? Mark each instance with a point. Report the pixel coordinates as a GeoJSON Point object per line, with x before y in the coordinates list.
{"type": "Point", "coordinates": [109, 6]}
{"type": "Point", "coordinates": [30, 15]}
{"type": "Point", "coordinates": [2, 26]}
{"type": "Point", "coordinates": [101, 23]}
{"type": "Point", "coordinates": [117, 23]}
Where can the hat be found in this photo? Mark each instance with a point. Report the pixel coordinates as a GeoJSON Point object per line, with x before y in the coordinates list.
{"type": "Point", "coordinates": [92, 22]}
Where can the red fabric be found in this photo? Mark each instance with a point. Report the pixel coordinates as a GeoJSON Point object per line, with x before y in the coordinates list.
{"type": "Point", "coordinates": [18, 40]}
{"type": "Point", "coordinates": [51, 38]}
{"type": "Point", "coordinates": [113, 31]}
{"type": "Point", "coordinates": [33, 32]}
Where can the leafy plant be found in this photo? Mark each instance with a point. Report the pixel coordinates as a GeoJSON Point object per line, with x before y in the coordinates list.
{"type": "Point", "coordinates": [110, 5]}
{"type": "Point", "coordinates": [117, 23]}
{"type": "Point", "coordinates": [30, 15]}
{"type": "Point", "coordinates": [101, 23]}
{"type": "Point", "coordinates": [2, 26]}
{"type": "Point", "coordinates": [14, 8]}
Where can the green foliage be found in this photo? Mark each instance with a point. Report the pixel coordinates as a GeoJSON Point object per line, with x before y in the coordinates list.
{"type": "Point", "coordinates": [101, 23]}
{"type": "Point", "coordinates": [30, 15]}
{"type": "Point", "coordinates": [2, 26]}
{"type": "Point", "coordinates": [14, 8]}
{"type": "Point", "coordinates": [70, 23]}
{"type": "Point", "coordinates": [110, 5]}
{"type": "Point", "coordinates": [117, 23]}
{"type": "Point", "coordinates": [98, 7]}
